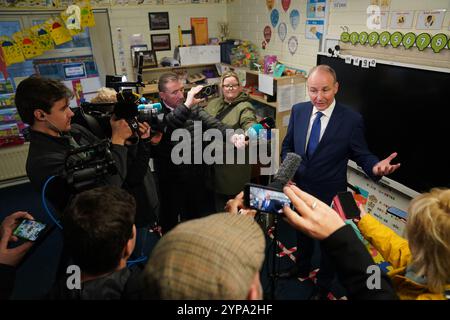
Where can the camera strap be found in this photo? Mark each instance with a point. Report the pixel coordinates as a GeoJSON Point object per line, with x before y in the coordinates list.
{"type": "Point", "coordinates": [221, 115]}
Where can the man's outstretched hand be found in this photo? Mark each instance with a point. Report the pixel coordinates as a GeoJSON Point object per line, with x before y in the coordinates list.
{"type": "Point", "coordinates": [384, 167]}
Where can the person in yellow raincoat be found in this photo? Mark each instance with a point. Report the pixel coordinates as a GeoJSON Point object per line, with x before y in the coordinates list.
{"type": "Point", "coordinates": [422, 262]}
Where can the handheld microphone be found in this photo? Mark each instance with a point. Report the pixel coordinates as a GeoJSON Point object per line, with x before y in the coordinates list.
{"type": "Point", "coordinates": [266, 123]}
{"type": "Point", "coordinates": [286, 171]}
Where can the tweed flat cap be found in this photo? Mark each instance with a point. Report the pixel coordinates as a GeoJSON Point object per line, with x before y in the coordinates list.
{"type": "Point", "coordinates": [215, 257]}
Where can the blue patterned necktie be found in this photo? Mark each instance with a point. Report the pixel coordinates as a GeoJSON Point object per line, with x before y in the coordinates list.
{"type": "Point", "coordinates": [314, 136]}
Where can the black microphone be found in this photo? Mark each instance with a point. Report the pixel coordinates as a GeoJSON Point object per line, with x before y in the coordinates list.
{"type": "Point", "coordinates": [286, 171]}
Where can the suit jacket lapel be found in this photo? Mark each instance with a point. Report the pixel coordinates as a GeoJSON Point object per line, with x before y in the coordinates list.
{"type": "Point", "coordinates": [303, 121]}
{"type": "Point", "coordinates": [332, 128]}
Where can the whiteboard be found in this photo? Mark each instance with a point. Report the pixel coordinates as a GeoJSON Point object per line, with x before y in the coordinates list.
{"type": "Point", "coordinates": [199, 55]}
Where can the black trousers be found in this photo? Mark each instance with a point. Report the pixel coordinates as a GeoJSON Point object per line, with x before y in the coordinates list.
{"type": "Point", "coordinates": [184, 199]}
{"type": "Point", "coordinates": [305, 251]}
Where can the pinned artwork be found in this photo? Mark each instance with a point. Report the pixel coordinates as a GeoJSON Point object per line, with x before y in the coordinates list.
{"type": "Point", "coordinates": [264, 44]}
{"type": "Point", "coordinates": [292, 45]}
{"type": "Point", "coordinates": [314, 29]}
{"type": "Point", "coordinates": [43, 37]}
{"type": "Point", "coordinates": [274, 17]}
{"type": "Point", "coordinates": [285, 4]}
{"type": "Point", "coordinates": [87, 15]}
{"type": "Point", "coordinates": [270, 4]}
{"type": "Point", "coordinates": [27, 43]}
{"type": "Point", "coordinates": [282, 31]}
{"type": "Point", "coordinates": [11, 51]}
{"type": "Point", "coordinates": [58, 31]}
{"type": "Point", "coordinates": [294, 17]}
{"type": "Point", "coordinates": [402, 20]}
{"type": "Point", "coordinates": [72, 19]}
{"type": "Point", "coordinates": [430, 20]}
{"type": "Point", "coordinates": [267, 34]}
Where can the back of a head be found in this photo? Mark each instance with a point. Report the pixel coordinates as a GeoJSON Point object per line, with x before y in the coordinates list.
{"type": "Point", "coordinates": [428, 232]}
{"type": "Point", "coordinates": [96, 227]}
{"type": "Point", "coordinates": [216, 257]}
{"type": "Point", "coordinates": [38, 93]}
{"type": "Point", "coordinates": [105, 95]}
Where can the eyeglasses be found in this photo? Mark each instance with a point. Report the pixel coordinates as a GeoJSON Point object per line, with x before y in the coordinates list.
{"type": "Point", "coordinates": [230, 86]}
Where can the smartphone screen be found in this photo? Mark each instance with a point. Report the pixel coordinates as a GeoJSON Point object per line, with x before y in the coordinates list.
{"type": "Point", "coordinates": [348, 205]}
{"type": "Point", "coordinates": [265, 199]}
{"type": "Point", "coordinates": [29, 229]}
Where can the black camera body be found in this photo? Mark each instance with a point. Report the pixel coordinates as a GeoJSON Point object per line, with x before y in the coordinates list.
{"type": "Point", "coordinates": [86, 166]}
{"type": "Point", "coordinates": [207, 91]}
{"type": "Point", "coordinates": [128, 107]}
{"type": "Point", "coordinates": [153, 115]}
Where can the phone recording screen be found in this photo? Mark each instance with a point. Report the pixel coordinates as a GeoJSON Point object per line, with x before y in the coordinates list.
{"type": "Point", "coordinates": [267, 200]}
{"type": "Point", "coordinates": [29, 229]}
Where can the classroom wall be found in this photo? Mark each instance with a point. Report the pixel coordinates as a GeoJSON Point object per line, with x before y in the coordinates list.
{"type": "Point", "coordinates": [247, 19]}
{"type": "Point", "coordinates": [132, 20]}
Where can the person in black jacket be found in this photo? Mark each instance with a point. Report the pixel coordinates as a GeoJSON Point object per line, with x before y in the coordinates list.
{"type": "Point", "coordinates": [44, 105]}
{"type": "Point", "coordinates": [100, 235]}
{"type": "Point", "coordinates": [348, 254]}
{"type": "Point", "coordinates": [183, 191]}
{"type": "Point", "coordinates": [11, 257]}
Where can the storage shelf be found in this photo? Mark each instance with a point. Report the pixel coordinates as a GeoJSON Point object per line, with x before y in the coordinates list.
{"type": "Point", "coordinates": [262, 100]}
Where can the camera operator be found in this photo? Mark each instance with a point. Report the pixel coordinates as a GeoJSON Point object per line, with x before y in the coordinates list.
{"type": "Point", "coordinates": [139, 180]}
{"type": "Point", "coordinates": [44, 105]}
{"type": "Point", "coordinates": [182, 187]}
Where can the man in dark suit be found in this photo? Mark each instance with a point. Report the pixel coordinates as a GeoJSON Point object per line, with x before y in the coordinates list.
{"type": "Point", "coordinates": [267, 204]}
{"type": "Point", "coordinates": [326, 135]}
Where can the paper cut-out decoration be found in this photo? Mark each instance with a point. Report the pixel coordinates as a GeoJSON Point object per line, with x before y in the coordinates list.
{"type": "Point", "coordinates": [292, 45]}
{"type": "Point", "coordinates": [423, 40]}
{"type": "Point", "coordinates": [270, 4]}
{"type": "Point", "coordinates": [267, 33]}
{"type": "Point", "coordinates": [285, 4]}
{"type": "Point", "coordinates": [294, 17]}
{"type": "Point", "coordinates": [438, 42]}
{"type": "Point", "coordinates": [58, 31]}
{"type": "Point", "coordinates": [274, 17]}
{"type": "Point", "coordinates": [27, 43]}
{"type": "Point", "coordinates": [11, 51]}
{"type": "Point", "coordinates": [282, 31]}
{"type": "Point", "coordinates": [87, 15]}
{"type": "Point", "coordinates": [408, 40]}
{"type": "Point", "coordinates": [72, 18]}
{"type": "Point", "coordinates": [43, 37]}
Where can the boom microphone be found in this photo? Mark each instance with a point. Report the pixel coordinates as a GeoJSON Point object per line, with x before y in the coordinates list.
{"type": "Point", "coordinates": [286, 171]}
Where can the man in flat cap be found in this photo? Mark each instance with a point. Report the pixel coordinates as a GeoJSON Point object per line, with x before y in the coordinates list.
{"type": "Point", "coordinates": [212, 258]}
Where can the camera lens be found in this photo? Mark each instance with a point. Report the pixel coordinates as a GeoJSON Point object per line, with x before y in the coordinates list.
{"type": "Point", "coordinates": [207, 91]}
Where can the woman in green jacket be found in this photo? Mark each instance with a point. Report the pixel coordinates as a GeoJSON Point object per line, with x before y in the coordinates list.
{"type": "Point", "coordinates": [233, 109]}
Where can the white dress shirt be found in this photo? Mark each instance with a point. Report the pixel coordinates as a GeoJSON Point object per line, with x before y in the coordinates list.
{"type": "Point", "coordinates": [323, 121]}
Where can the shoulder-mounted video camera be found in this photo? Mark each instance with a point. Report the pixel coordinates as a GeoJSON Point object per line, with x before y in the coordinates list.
{"type": "Point", "coordinates": [129, 106]}
{"type": "Point", "coordinates": [86, 167]}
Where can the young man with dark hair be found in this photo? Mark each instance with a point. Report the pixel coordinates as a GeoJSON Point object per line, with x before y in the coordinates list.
{"type": "Point", "coordinates": [100, 234]}
{"type": "Point", "coordinates": [44, 105]}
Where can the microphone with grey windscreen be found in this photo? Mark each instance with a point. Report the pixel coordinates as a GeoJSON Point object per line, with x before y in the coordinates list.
{"type": "Point", "coordinates": [286, 171]}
